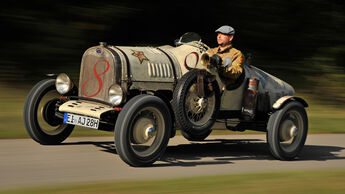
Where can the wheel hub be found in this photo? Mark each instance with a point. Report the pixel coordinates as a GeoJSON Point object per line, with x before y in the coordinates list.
{"type": "Point", "coordinates": [143, 130]}
{"type": "Point", "coordinates": [201, 104]}
{"type": "Point", "coordinates": [48, 113]}
{"type": "Point", "coordinates": [288, 131]}
{"type": "Point", "coordinates": [198, 105]}
{"type": "Point", "coordinates": [150, 132]}
{"type": "Point", "coordinates": [293, 131]}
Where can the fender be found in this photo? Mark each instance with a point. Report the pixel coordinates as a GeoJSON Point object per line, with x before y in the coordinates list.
{"type": "Point", "coordinates": [285, 99]}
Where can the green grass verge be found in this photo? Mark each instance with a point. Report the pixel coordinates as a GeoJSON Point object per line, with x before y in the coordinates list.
{"type": "Point", "coordinates": [323, 117]}
{"type": "Point", "coordinates": [330, 181]}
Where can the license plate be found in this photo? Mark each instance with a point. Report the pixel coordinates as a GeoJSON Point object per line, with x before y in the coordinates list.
{"type": "Point", "coordinates": [81, 120]}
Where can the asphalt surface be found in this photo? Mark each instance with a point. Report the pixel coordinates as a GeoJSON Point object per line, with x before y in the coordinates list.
{"type": "Point", "coordinates": [25, 163]}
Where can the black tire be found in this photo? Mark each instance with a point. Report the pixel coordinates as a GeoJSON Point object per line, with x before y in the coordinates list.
{"type": "Point", "coordinates": [193, 136]}
{"type": "Point", "coordinates": [39, 115]}
{"type": "Point", "coordinates": [287, 131]}
{"type": "Point", "coordinates": [183, 100]}
{"type": "Point", "coordinates": [142, 115]}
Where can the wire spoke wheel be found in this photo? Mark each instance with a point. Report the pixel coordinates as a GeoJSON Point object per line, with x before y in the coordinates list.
{"type": "Point", "coordinates": [195, 115]}
{"type": "Point", "coordinates": [198, 110]}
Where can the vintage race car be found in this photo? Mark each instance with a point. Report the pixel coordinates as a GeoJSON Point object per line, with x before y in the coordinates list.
{"type": "Point", "coordinates": [144, 94]}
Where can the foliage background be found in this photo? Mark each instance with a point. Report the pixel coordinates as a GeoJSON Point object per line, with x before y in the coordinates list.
{"type": "Point", "coordinates": [301, 42]}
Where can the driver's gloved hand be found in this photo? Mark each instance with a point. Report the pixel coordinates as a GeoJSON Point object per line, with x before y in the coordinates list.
{"type": "Point", "coordinates": [216, 61]}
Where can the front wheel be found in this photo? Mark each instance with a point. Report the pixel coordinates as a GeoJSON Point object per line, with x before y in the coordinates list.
{"type": "Point", "coordinates": [287, 131]}
{"type": "Point", "coordinates": [142, 130]}
{"type": "Point", "coordinates": [39, 114]}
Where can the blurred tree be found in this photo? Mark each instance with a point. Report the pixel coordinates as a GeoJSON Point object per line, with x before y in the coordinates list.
{"type": "Point", "coordinates": [302, 38]}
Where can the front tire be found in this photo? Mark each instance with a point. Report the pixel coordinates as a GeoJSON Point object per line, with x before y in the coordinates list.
{"type": "Point", "coordinates": [287, 131]}
{"type": "Point", "coordinates": [142, 130]}
{"type": "Point", "coordinates": [39, 115]}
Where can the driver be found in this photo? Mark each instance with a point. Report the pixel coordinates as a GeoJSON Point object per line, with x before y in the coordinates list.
{"type": "Point", "coordinates": [225, 56]}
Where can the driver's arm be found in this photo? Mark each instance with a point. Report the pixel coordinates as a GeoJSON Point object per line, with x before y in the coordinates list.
{"type": "Point", "coordinates": [235, 70]}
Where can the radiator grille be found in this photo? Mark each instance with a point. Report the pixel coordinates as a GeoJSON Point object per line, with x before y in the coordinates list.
{"type": "Point", "coordinates": [97, 73]}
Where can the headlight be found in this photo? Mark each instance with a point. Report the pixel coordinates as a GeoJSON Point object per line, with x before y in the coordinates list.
{"type": "Point", "coordinates": [116, 94]}
{"type": "Point", "coordinates": [63, 83]}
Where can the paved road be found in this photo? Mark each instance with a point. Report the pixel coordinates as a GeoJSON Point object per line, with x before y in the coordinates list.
{"type": "Point", "coordinates": [23, 162]}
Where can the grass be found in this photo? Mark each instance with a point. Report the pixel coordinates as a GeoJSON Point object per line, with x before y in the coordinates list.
{"type": "Point", "coordinates": [323, 117]}
{"type": "Point", "coordinates": [326, 181]}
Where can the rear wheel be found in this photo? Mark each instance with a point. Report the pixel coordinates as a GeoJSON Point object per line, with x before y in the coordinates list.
{"type": "Point", "coordinates": [287, 131]}
{"type": "Point", "coordinates": [39, 114]}
{"type": "Point", "coordinates": [142, 130]}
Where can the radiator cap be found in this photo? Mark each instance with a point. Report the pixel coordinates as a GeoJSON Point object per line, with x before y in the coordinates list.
{"type": "Point", "coordinates": [104, 44]}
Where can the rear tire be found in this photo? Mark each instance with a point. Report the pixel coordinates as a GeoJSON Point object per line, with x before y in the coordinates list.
{"type": "Point", "coordinates": [287, 131]}
{"type": "Point", "coordinates": [39, 115]}
{"type": "Point", "coordinates": [142, 130]}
